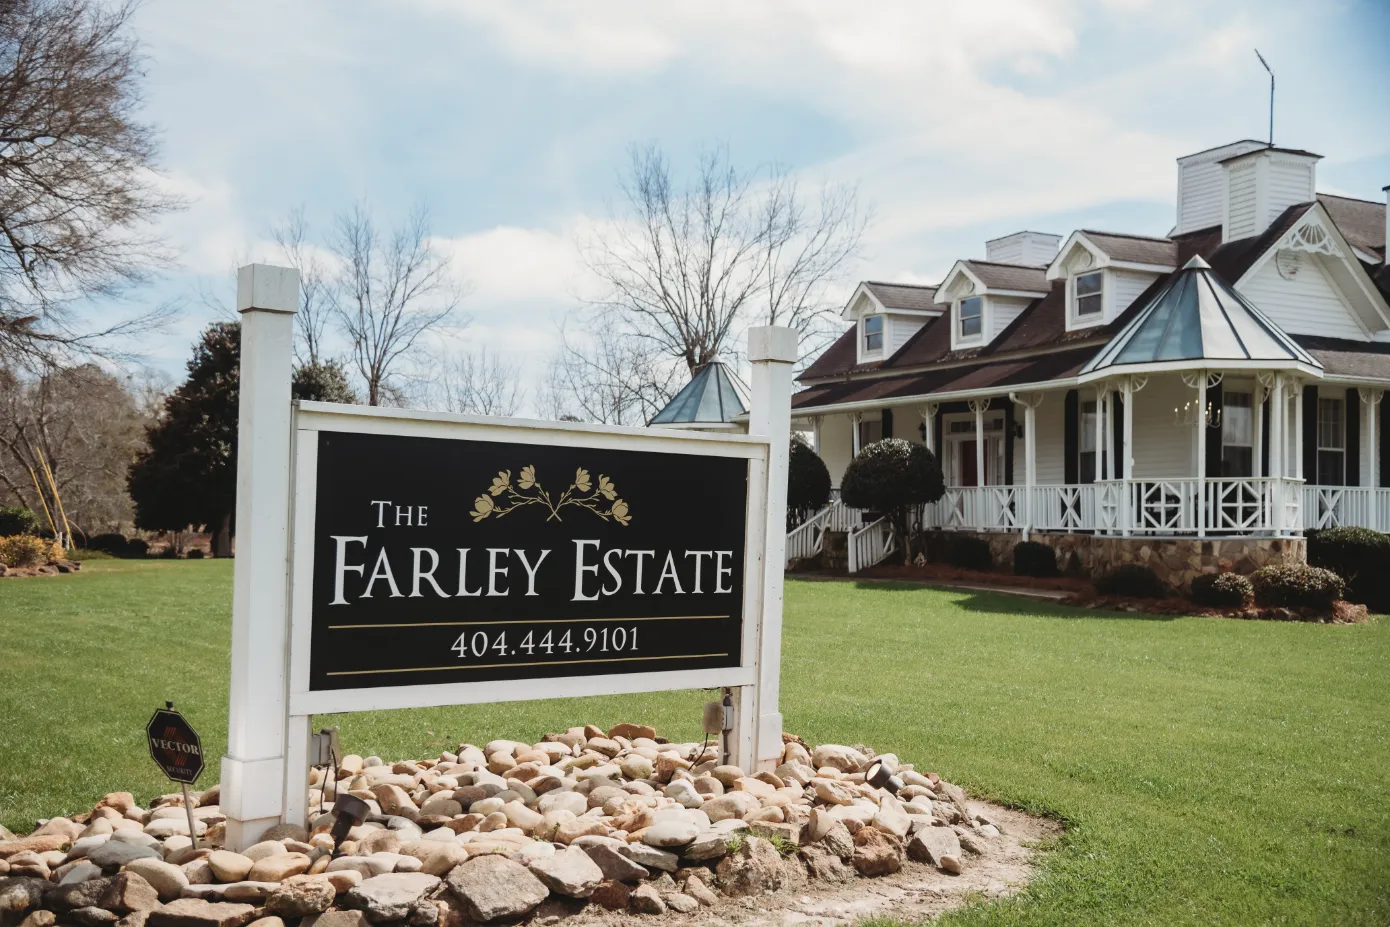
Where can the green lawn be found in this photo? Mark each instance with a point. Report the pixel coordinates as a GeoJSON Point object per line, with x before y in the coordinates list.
{"type": "Point", "coordinates": [1209, 771]}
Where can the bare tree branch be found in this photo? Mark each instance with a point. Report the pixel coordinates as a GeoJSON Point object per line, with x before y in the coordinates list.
{"type": "Point", "coordinates": [315, 306]}
{"type": "Point", "coordinates": [481, 383]}
{"type": "Point", "coordinates": [77, 180]}
{"type": "Point", "coordinates": [389, 293]}
{"type": "Point", "coordinates": [608, 378]}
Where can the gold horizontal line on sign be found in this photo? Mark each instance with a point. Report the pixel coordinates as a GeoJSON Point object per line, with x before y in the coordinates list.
{"type": "Point", "coordinates": [436, 669]}
{"type": "Point", "coordinates": [518, 621]}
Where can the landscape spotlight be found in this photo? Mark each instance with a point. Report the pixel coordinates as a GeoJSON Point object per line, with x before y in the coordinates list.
{"type": "Point", "coordinates": [880, 777]}
{"type": "Point", "coordinates": [348, 811]}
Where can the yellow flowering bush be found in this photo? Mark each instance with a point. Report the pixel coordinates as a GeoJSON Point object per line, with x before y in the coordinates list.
{"type": "Point", "coordinates": [21, 550]}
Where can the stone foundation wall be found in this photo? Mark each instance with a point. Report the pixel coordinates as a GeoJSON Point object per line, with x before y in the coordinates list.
{"type": "Point", "coordinates": [1176, 560]}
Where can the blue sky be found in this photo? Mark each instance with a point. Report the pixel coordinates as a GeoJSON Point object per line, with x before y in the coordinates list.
{"type": "Point", "coordinates": [959, 121]}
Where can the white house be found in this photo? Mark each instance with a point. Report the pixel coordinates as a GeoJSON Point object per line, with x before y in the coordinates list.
{"type": "Point", "coordinates": [1182, 401]}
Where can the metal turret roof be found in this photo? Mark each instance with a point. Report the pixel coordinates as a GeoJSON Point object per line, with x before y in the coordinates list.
{"type": "Point", "coordinates": [1197, 318]}
{"type": "Point", "coordinates": [714, 395]}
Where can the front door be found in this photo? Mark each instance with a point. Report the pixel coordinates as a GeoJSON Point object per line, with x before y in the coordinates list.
{"type": "Point", "coordinates": [969, 474]}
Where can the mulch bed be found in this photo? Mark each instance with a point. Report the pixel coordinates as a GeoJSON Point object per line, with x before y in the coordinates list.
{"type": "Point", "coordinates": [940, 572]}
{"type": "Point", "coordinates": [1342, 612]}
{"type": "Point", "coordinates": [1083, 595]}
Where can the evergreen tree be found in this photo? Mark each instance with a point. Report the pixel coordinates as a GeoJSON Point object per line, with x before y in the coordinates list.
{"type": "Point", "coordinates": [187, 473]}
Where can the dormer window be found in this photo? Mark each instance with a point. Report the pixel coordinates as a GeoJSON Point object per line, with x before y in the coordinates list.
{"type": "Point", "coordinates": [971, 316]}
{"type": "Point", "coordinates": [1089, 293]}
{"type": "Point", "coordinates": [873, 334]}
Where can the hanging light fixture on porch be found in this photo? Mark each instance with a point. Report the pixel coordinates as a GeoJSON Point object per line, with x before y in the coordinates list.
{"type": "Point", "coordinates": [1186, 415]}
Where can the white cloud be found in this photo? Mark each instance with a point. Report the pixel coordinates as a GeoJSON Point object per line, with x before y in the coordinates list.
{"type": "Point", "coordinates": [508, 264]}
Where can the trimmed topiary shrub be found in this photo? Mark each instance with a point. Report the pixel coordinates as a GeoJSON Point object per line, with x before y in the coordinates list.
{"type": "Point", "coordinates": [1133, 581]}
{"type": "Point", "coordinates": [970, 553]}
{"type": "Point", "coordinates": [195, 553]}
{"type": "Point", "coordinates": [113, 544]}
{"type": "Point", "coordinates": [893, 476]}
{"type": "Point", "coordinates": [16, 519]}
{"type": "Point", "coordinates": [1222, 590]}
{"type": "Point", "coordinates": [1032, 558]}
{"type": "Point", "coordinates": [808, 483]}
{"type": "Point", "coordinates": [1361, 557]}
{"type": "Point", "coordinates": [1296, 586]}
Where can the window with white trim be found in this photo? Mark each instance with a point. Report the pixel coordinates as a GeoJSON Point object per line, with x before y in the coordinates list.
{"type": "Point", "coordinates": [1332, 443]}
{"type": "Point", "coordinates": [873, 334]}
{"type": "Point", "coordinates": [1090, 291]}
{"type": "Point", "coordinates": [972, 310]}
{"type": "Point", "coordinates": [960, 465]}
{"type": "Point", "coordinates": [1237, 434]}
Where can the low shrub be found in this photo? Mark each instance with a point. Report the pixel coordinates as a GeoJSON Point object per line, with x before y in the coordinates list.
{"type": "Point", "coordinates": [82, 554]}
{"type": "Point", "coordinates": [1032, 558]}
{"type": "Point", "coordinates": [1361, 557]}
{"type": "Point", "coordinates": [195, 553]}
{"type": "Point", "coordinates": [136, 548]}
{"type": "Point", "coordinates": [113, 544]}
{"type": "Point", "coordinates": [16, 519]}
{"type": "Point", "coordinates": [1222, 590]}
{"type": "Point", "coordinates": [1133, 581]}
{"type": "Point", "coordinates": [969, 553]}
{"type": "Point", "coordinates": [1296, 586]}
{"type": "Point", "coordinates": [22, 550]}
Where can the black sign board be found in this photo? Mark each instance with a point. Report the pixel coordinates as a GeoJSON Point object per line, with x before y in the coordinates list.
{"type": "Point", "coordinates": [448, 560]}
{"type": "Point", "coordinates": [175, 746]}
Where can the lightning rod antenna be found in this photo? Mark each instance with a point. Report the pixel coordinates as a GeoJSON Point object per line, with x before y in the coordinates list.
{"type": "Point", "coordinates": [1271, 95]}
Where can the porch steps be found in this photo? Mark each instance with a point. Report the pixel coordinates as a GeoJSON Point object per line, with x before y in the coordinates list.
{"type": "Point", "coordinates": [835, 551]}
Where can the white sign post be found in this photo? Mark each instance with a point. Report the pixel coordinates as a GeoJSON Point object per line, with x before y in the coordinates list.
{"type": "Point", "coordinates": [302, 529]}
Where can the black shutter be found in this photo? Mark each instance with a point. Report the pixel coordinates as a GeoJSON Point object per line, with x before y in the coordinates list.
{"type": "Point", "coordinates": [1117, 437]}
{"type": "Point", "coordinates": [1216, 400]}
{"type": "Point", "coordinates": [888, 423]}
{"type": "Point", "coordinates": [1008, 442]}
{"type": "Point", "coordinates": [1264, 438]}
{"type": "Point", "coordinates": [1310, 434]}
{"type": "Point", "coordinates": [1071, 445]}
{"type": "Point", "coordinates": [1353, 452]}
{"type": "Point", "coordinates": [1384, 447]}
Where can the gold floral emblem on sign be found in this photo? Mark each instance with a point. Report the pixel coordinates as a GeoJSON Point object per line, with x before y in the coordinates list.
{"type": "Point", "coordinates": [505, 496]}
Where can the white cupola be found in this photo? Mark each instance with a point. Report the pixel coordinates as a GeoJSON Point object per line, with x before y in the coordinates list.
{"type": "Point", "coordinates": [1261, 184]}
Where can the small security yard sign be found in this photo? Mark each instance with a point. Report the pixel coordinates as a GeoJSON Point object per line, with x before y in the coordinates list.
{"type": "Point", "coordinates": [396, 559]}
{"type": "Point", "coordinates": [175, 746]}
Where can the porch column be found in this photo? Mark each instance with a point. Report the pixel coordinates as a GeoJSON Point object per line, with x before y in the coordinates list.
{"type": "Point", "coordinates": [1030, 455]}
{"type": "Point", "coordinates": [1126, 471]}
{"type": "Point", "coordinates": [854, 419]}
{"type": "Point", "coordinates": [815, 434]}
{"type": "Point", "coordinates": [1262, 391]}
{"type": "Point", "coordinates": [1100, 431]}
{"type": "Point", "coordinates": [1370, 450]}
{"type": "Point", "coordinates": [929, 428]}
{"type": "Point", "coordinates": [1278, 412]}
{"type": "Point", "coordinates": [978, 407]}
{"type": "Point", "coordinates": [1298, 431]}
{"type": "Point", "coordinates": [1202, 454]}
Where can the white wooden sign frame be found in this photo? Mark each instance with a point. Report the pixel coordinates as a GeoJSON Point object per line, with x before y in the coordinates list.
{"type": "Point", "coordinates": [265, 771]}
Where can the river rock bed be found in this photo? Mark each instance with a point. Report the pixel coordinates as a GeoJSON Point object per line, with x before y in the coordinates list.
{"type": "Point", "coordinates": [589, 825]}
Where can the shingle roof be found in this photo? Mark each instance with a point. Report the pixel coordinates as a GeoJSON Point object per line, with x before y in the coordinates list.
{"type": "Point", "coordinates": [903, 295]}
{"type": "Point", "coordinates": [1135, 249]}
{"type": "Point", "coordinates": [1361, 222]}
{"type": "Point", "coordinates": [984, 375]}
{"type": "Point", "coordinates": [836, 360]}
{"type": "Point", "coordinates": [1342, 358]}
{"type": "Point", "coordinates": [997, 276]}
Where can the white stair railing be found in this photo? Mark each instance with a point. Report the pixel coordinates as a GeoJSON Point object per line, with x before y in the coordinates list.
{"type": "Point", "coordinates": [805, 539]}
{"type": "Point", "coordinates": [870, 545]}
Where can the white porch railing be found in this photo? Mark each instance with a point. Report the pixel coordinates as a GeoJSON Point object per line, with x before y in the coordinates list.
{"type": "Point", "coordinates": [1339, 506]}
{"type": "Point", "coordinates": [870, 545]}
